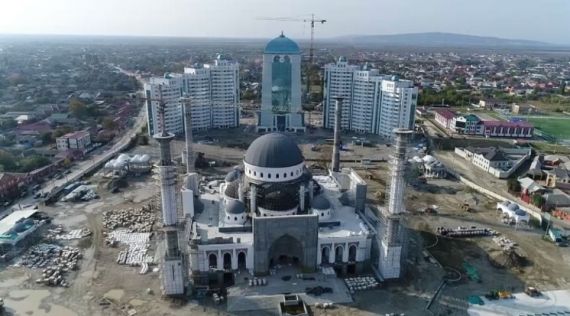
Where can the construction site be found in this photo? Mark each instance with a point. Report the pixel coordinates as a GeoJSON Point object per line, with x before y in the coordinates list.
{"type": "Point", "coordinates": [102, 256]}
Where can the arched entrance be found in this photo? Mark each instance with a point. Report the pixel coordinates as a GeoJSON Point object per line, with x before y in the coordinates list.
{"type": "Point", "coordinates": [286, 250]}
{"type": "Point", "coordinates": [352, 253]}
{"type": "Point", "coordinates": [213, 261]}
{"type": "Point", "coordinates": [227, 261]}
{"type": "Point", "coordinates": [325, 255]}
{"type": "Point", "coordinates": [338, 252]}
{"type": "Point", "coordinates": [241, 260]}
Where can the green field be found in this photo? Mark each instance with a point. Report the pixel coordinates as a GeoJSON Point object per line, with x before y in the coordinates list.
{"type": "Point", "coordinates": [557, 127]}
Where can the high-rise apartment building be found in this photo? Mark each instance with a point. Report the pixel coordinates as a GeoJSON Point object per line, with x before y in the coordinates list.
{"type": "Point", "coordinates": [372, 103]}
{"type": "Point", "coordinates": [213, 90]}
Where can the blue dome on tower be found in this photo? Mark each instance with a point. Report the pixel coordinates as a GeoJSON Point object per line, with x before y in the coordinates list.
{"type": "Point", "coordinates": [282, 45]}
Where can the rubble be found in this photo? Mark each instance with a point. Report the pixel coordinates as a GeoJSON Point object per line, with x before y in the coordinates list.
{"type": "Point", "coordinates": [133, 219]}
{"type": "Point", "coordinates": [55, 260]}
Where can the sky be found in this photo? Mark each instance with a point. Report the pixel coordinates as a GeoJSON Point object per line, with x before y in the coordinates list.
{"type": "Point", "coordinates": [542, 20]}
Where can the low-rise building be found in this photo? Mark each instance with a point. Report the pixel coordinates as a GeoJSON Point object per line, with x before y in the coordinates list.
{"type": "Point", "coordinates": [498, 161]}
{"type": "Point", "coordinates": [77, 140]}
{"type": "Point", "coordinates": [445, 118]}
{"type": "Point", "coordinates": [520, 129]}
{"type": "Point", "coordinates": [10, 184]}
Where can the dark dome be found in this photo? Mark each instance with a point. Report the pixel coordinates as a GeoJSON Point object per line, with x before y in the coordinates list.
{"type": "Point", "coordinates": [274, 150]}
{"type": "Point", "coordinates": [235, 207]}
{"type": "Point", "coordinates": [321, 203]}
{"type": "Point", "coordinates": [232, 176]}
{"type": "Point", "coordinates": [232, 190]}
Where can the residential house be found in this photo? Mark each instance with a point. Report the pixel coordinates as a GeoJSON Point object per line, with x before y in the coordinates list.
{"type": "Point", "coordinates": [557, 177]}
{"type": "Point", "coordinates": [444, 117]}
{"type": "Point", "coordinates": [10, 184]}
{"type": "Point", "coordinates": [529, 188]}
{"type": "Point", "coordinates": [77, 140]}
{"type": "Point", "coordinates": [520, 129]}
{"type": "Point", "coordinates": [498, 161]}
{"type": "Point", "coordinates": [469, 124]}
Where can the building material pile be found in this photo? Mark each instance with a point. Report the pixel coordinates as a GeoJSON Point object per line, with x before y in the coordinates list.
{"type": "Point", "coordinates": [58, 233]}
{"type": "Point", "coordinates": [361, 283]}
{"type": "Point", "coordinates": [133, 219]}
{"type": "Point", "coordinates": [136, 252]}
{"type": "Point", "coordinates": [464, 232]}
{"type": "Point", "coordinates": [56, 262]}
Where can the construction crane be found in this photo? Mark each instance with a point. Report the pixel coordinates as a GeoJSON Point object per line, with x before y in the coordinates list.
{"type": "Point", "coordinates": [311, 20]}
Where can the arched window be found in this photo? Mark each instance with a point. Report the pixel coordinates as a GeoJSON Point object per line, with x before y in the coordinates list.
{"type": "Point", "coordinates": [235, 218]}
{"type": "Point", "coordinates": [255, 173]}
{"type": "Point", "coordinates": [213, 261]}
{"type": "Point", "coordinates": [284, 174]}
{"type": "Point", "coordinates": [269, 175]}
{"type": "Point", "coordinates": [325, 255]}
{"type": "Point", "coordinates": [261, 174]}
{"type": "Point", "coordinates": [291, 173]}
{"type": "Point", "coordinates": [276, 176]}
{"type": "Point", "coordinates": [338, 252]}
{"type": "Point", "coordinates": [227, 261]}
{"type": "Point", "coordinates": [352, 253]}
{"type": "Point", "coordinates": [322, 214]}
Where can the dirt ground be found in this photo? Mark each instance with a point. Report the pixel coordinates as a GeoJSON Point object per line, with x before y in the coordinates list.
{"type": "Point", "coordinates": [99, 275]}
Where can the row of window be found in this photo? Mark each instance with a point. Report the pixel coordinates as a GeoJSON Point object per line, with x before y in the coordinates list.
{"type": "Point", "coordinates": [261, 175]}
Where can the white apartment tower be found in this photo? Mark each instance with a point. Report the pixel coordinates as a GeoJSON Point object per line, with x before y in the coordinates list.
{"type": "Point", "coordinates": [373, 103]}
{"type": "Point", "coordinates": [213, 90]}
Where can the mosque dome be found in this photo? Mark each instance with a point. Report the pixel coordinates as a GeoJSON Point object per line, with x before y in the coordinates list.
{"type": "Point", "coordinates": [235, 207]}
{"type": "Point", "coordinates": [282, 45]}
{"type": "Point", "coordinates": [273, 150]}
{"type": "Point", "coordinates": [232, 190]}
{"type": "Point", "coordinates": [321, 203]}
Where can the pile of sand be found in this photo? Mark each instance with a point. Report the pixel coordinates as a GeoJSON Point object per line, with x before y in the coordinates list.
{"type": "Point", "coordinates": [506, 259]}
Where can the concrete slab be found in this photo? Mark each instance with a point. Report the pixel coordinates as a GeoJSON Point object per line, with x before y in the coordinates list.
{"type": "Point", "coordinates": [242, 297]}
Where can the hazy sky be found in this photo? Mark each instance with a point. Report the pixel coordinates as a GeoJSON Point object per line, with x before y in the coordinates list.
{"type": "Point", "coordinates": [544, 20]}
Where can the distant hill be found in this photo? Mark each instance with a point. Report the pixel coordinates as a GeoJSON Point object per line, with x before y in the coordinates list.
{"type": "Point", "coordinates": [436, 40]}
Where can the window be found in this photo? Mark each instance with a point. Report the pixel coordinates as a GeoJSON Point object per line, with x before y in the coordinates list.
{"type": "Point", "coordinates": [235, 218]}
{"type": "Point", "coordinates": [277, 176]}
{"type": "Point", "coordinates": [284, 174]}
{"type": "Point", "coordinates": [261, 174]}
{"type": "Point", "coordinates": [255, 173]}
{"type": "Point", "coordinates": [322, 214]}
{"type": "Point", "coordinates": [291, 173]}
{"type": "Point", "coordinates": [269, 175]}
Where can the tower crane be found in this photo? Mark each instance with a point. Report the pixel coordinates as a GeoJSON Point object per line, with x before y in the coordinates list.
{"type": "Point", "coordinates": [310, 20]}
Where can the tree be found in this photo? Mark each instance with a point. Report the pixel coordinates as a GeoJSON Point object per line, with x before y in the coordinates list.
{"type": "Point", "coordinates": [8, 124]}
{"type": "Point", "coordinates": [60, 131]}
{"type": "Point", "coordinates": [7, 161]}
{"type": "Point", "coordinates": [109, 124]}
{"type": "Point", "coordinates": [513, 185]}
{"type": "Point", "coordinates": [33, 162]}
{"type": "Point", "coordinates": [47, 138]}
{"type": "Point", "coordinates": [537, 200]}
{"type": "Point", "coordinates": [77, 108]}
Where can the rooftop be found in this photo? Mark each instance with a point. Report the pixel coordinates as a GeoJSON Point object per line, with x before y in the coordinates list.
{"type": "Point", "coordinates": [9, 221]}
{"type": "Point", "coordinates": [282, 44]}
{"type": "Point", "coordinates": [447, 114]}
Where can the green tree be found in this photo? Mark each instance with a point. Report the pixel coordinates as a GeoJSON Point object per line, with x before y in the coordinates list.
{"type": "Point", "coordinates": [33, 162]}
{"type": "Point", "coordinates": [7, 161]}
{"type": "Point", "coordinates": [537, 200]}
{"type": "Point", "coordinates": [109, 124]}
{"type": "Point", "coordinates": [47, 138]}
{"type": "Point", "coordinates": [513, 185]}
{"type": "Point", "coordinates": [78, 108]}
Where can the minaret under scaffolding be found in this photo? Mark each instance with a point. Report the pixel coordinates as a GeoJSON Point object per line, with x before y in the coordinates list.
{"type": "Point", "coordinates": [391, 249]}
{"type": "Point", "coordinates": [172, 270]}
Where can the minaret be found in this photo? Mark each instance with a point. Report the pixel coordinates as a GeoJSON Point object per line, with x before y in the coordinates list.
{"type": "Point", "coordinates": [189, 153]}
{"type": "Point", "coordinates": [336, 145]}
{"type": "Point", "coordinates": [190, 188]}
{"type": "Point", "coordinates": [172, 273]}
{"type": "Point", "coordinates": [391, 252]}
